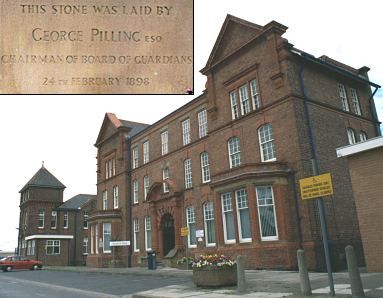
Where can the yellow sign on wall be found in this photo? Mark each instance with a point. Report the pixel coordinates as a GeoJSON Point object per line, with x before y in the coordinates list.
{"type": "Point", "coordinates": [316, 186]}
{"type": "Point", "coordinates": [184, 231]}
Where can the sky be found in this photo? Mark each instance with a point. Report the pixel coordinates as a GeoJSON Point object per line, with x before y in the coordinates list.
{"type": "Point", "coordinates": [62, 130]}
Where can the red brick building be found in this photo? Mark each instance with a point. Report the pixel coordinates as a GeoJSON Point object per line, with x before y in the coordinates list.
{"type": "Point", "coordinates": [226, 165]}
{"type": "Point", "coordinates": [50, 230]}
{"type": "Point", "coordinates": [365, 161]}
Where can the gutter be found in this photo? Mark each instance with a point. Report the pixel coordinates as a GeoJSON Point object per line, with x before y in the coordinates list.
{"type": "Point", "coordinates": [129, 199]}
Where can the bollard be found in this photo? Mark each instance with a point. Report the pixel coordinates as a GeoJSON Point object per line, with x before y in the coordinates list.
{"type": "Point", "coordinates": [353, 273]}
{"type": "Point", "coordinates": [303, 274]}
{"type": "Point", "coordinates": [241, 281]}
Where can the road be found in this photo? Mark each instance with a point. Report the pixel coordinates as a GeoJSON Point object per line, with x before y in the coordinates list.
{"type": "Point", "coordinates": [41, 283]}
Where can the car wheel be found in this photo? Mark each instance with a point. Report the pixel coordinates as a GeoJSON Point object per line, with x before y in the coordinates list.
{"type": "Point", "coordinates": [9, 268]}
{"type": "Point", "coordinates": [35, 267]}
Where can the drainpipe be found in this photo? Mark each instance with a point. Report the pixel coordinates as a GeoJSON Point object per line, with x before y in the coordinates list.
{"type": "Point", "coordinates": [291, 174]}
{"type": "Point", "coordinates": [374, 114]}
{"type": "Point", "coordinates": [129, 199]}
{"type": "Point", "coordinates": [314, 167]}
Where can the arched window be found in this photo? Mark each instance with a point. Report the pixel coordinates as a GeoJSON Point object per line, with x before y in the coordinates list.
{"type": "Point", "coordinates": [266, 142]}
{"type": "Point", "coordinates": [362, 136]}
{"type": "Point", "coordinates": [234, 152]}
{"type": "Point", "coordinates": [351, 136]}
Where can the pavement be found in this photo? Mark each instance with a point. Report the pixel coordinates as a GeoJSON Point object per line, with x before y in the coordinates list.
{"type": "Point", "coordinates": [259, 283]}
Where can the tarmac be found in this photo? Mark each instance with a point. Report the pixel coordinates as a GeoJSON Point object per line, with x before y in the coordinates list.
{"type": "Point", "coordinates": [259, 283]}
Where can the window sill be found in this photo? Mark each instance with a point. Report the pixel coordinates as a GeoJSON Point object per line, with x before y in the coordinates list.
{"type": "Point", "coordinates": [270, 239]}
{"type": "Point", "coordinates": [230, 242]}
{"type": "Point", "coordinates": [247, 240]}
{"type": "Point", "coordinates": [192, 246]}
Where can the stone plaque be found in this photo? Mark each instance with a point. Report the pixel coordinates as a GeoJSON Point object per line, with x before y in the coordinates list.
{"type": "Point", "coordinates": [96, 47]}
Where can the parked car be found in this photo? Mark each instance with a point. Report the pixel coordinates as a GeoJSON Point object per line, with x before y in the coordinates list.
{"type": "Point", "coordinates": [19, 262]}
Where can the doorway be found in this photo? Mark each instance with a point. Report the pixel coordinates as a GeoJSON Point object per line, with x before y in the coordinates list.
{"type": "Point", "coordinates": [168, 238]}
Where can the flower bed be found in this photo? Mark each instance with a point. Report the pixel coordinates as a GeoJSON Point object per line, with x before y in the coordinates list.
{"type": "Point", "coordinates": [214, 271]}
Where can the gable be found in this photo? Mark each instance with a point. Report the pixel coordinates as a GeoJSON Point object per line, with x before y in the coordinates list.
{"type": "Point", "coordinates": [108, 128]}
{"type": "Point", "coordinates": [234, 34]}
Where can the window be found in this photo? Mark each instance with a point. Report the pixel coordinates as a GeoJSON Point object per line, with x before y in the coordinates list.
{"type": "Point", "coordinates": [343, 97]}
{"type": "Point", "coordinates": [164, 142]}
{"type": "Point", "coordinates": [355, 101]}
{"type": "Point", "coordinates": [205, 167]}
{"type": "Point", "coordinates": [165, 179]}
{"type": "Point", "coordinates": [41, 219]}
{"type": "Point", "coordinates": [104, 200]}
{"type": "Point", "coordinates": [135, 157]}
{"type": "Point", "coordinates": [107, 233]}
{"type": "Point", "coordinates": [110, 168]}
{"type": "Point", "coordinates": [54, 220]}
{"type": "Point", "coordinates": [85, 245]}
{"type": "Point", "coordinates": [254, 95]}
{"type": "Point", "coordinates": [92, 239]}
{"type": "Point", "coordinates": [190, 218]}
{"type": "Point", "coordinates": [146, 186]}
{"type": "Point", "coordinates": [202, 123]}
{"type": "Point", "coordinates": [145, 146]}
{"type": "Point", "coordinates": [136, 240]}
{"type": "Point", "coordinates": [31, 247]}
{"type": "Point", "coordinates": [227, 218]}
{"type": "Point", "coordinates": [53, 247]}
{"type": "Point", "coordinates": [115, 197]}
{"type": "Point", "coordinates": [148, 234]}
{"type": "Point", "coordinates": [96, 237]}
{"type": "Point", "coordinates": [85, 219]}
{"type": "Point", "coordinates": [244, 99]}
{"type": "Point", "coordinates": [234, 105]}
{"type": "Point", "coordinates": [243, 216]}
{"type": "Point", "coordinates": [362, 136]}
{"type": "Point", "coordinates": [188, 173]}
{"type": "Point", "coordinates": [266, 142]}
{"type": "Point", "coordinates": [186, 132]}
{"type": "Point", "coordinates": [209, 224]}
{"type": "Point", "coordinates": [234, 152]}
{"type": "Point", "coordinates": [266, 213]}
{"type": "Point", "coordinates": [351, 136]}
{"type": "Point", "coordinates": [135, 191]}
{"type": "Point", "coordinates": [65, 224]}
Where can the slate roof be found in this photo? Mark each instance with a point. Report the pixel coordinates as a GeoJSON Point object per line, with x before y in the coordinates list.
{"type": "Point", "coordinates": [43, 178]}
{"type": "Point", "coordinates": [76, 202]}
{"type": "Point", "coordinates": [135, 126]}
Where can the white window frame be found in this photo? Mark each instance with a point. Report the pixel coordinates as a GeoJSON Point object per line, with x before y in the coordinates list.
{"type": "Point", "coordinates": [244, 99]}
{"type": "Point", "coordinates": [148, 233]}
{"type": "Point", "coordinates": [105, 200]}
{"type": "Point", "coordinates": [106, 232]}
{"type": "Point", "coordinates": [190, 220]}
{"type": "Point", "coordinates": [146, 186]}
{"type": "Point", "coordinates": [343, 97]}
{"type": "Point", "coordinates": [96, 237]}
{"type": "Point", "coordinates": [135, 191]}
{"type": "Point", "coordinates": [85, 243]}
{"type": "Point", "coordinates": [165, 180]}
{"type": "Point", "coordinates": [85, 215]}
{"type": "Point", "coordinates": [92, 239]}
{"type": "Point", "coordinates": [135, 157]}
{"type": "Point", "coordinates": [234, 104]}
{"type": "Point", "coordinates": [242, 203]}
{"type": "Point", "coordinates": [66, 219]}
{"type": "Point", "coordinates": [228, 198]}
{"type": "Point", "coordinates": [208, 215]}
{"type": "Point", "coordinates": [355, 101]}
{"type": "Point", "coordinates": [164, 142]}
{"type": "Point", "coordinates": [41, 218]}
{"type": "Point", "coordinates": [110, 168]}
{"type": "Point", "coordinates": [52, 245]}
{"type": "Point", "coordinates": [186, 138]}
{"type": "Point", "coordinates": [202, 123]}
{"type": "Point", "coordinates": [351, 136]}
{"type": "Point", "coordinates": [116, 203]}
{"type": "Point", "coordinates": [266, 141]}
{"type": "Point", "coordinates": [54, 220]}
{"type": "Point", "coordinates": [267, 238]}
{"type": "Point", "coordinates": [136, 235]}
{"type": "Point", "coordinates": [145, 149]}
{"type": "Point", "coordinates": [188, 173]}
{"type": "Point", "coordinates": [234, 148]}
{"type": "Point", "coordinates": [255, 98]}
{"type": "Point", "coordinates": [362, 136]}
{"type": "Point", "coordinates": [205, 167]}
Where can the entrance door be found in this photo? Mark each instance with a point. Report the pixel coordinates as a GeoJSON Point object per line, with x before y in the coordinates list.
{"type": "Point", "coordinates": [167, 233]}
